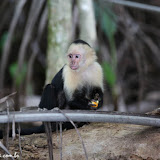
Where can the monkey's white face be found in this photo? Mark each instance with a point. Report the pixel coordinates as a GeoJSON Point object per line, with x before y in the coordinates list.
{"type": "Point", "coordinates": [74, 60]}
{"type": "Point", "coordinates": [80, 56]}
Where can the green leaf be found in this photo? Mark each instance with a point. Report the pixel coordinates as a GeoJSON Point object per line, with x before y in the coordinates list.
{"type": "Point", "coordinates": [108, 25]}
{"type": "Point", "coordinates": [12, 69]}
{"type": "Point", "coordinates": [3, 39]}
{"type": "Point", "coordinates": [109, 74]}
{"type": "Point", "coordinates": [107, 19]}
{"type": "Point", "coordinates": [21, 75]}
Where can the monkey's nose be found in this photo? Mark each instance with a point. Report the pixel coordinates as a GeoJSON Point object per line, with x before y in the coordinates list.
{"type": "Point", "coordinates": [73, 62]}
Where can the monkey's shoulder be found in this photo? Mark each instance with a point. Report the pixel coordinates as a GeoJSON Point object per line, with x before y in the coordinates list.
{"type": "Point", "coordinates": [94, 75]}
{"type": "Point", "coordinates": [57, 81]}
{"type": "Point", "coordinates": [95, 68]}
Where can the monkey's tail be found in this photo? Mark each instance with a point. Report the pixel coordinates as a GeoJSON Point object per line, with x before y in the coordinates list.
{"type": "Point", "coordinates": [28, 131]}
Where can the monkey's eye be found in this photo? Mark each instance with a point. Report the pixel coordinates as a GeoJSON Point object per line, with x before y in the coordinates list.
{"type": "Point", "coordinates": [78, 56]}
{"type": "Point", "coordinates": [70, 56]}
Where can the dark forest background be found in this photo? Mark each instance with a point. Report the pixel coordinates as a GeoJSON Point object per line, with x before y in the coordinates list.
{"type": "Point", "coordinates": [127, 45]}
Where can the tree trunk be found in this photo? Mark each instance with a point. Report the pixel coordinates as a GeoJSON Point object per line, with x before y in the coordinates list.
{"type": "Point", "coordinates": [59, 33]}
{"type": "Point", "coordinates": [87, 22]}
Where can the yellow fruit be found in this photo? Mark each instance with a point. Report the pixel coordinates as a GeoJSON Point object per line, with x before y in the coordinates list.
{"type": "Point", "coordinates": [95, 104]}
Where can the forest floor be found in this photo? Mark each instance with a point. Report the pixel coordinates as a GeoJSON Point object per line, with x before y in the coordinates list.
{"type": "Point", "coordinates": [103, 141]}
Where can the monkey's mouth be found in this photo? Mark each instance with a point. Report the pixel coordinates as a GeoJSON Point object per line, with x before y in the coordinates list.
{"type": "Point", "coordinates": [74, 67]}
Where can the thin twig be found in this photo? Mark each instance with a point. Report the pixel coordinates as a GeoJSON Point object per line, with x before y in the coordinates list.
{"type": "Point", "coordinates": [33, 15]}
{"type": "Point", "coordinates": [6, 134]}
{"type": "Point", "coordinates": [7, 46]}
{"type": "Point", "coordinates": [32, 18]}
{"type": "Point", "coordinates": [4, 99]}
{"type": "Point", "coordinates": [140, 73]}
{"type": "Point", "coordinates": [6, 17]}
{"type": "Point", "coordinates": [84, 148]}
{"type": "Point", "coordinates": [19, 138]}
{"type": "Point", "coordinates": [60, 147]}
{"type": "Point", "coordinates": [5, 149]}
{"type": "Point", "coordinates": [43, 22]}
{"type": "Point", "coordinates": [13, 128]}
{"type": "Point", "coordinates": [48, 131]}
{"type": "Point", "coordinates": [135, 5]}
{"type": "Point", "coordinates": [35, 46]}
{"type": "Point", "coordinates": [153, 47]}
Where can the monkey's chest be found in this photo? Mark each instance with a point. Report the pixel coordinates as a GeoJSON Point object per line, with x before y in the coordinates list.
{"type": "Point", "coordinates": [79, 84]}
{"type": "Point", "coordinates": [80, 93]}
{"type": "Point", "coordinates": [80, 87]}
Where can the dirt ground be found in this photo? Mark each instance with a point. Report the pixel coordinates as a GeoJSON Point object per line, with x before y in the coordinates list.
{"type": "Point", "coordinates": [103, 141]}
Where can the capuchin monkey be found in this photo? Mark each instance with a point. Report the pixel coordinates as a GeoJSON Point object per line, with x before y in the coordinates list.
{"type": "Point", "coordinates": [78, 85]}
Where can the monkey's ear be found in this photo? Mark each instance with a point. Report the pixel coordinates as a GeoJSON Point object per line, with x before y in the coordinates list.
{"type": "Point", "coordinates": [48, 98]}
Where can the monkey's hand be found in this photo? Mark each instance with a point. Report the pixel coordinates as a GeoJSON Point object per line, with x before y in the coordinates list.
{"type": "Point", "coordinates": [93, 104]}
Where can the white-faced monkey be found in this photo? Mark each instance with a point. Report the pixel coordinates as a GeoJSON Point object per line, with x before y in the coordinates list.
{"type": "Point", "coordinates": [79, 84]}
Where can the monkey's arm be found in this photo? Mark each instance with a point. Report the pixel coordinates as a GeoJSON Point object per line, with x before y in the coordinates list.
{"type": "Point", "coordinates": [79, 103]}
{"type": "Point", "coordinates": [96, 98]}
{"type": "Point", "coordinates": [48, 98]}
{"type": "Point", "coordinates": [53, 95]}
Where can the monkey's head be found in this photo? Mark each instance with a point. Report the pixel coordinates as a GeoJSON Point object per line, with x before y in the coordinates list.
{"type": "Point", "coordinates": [80, 55]}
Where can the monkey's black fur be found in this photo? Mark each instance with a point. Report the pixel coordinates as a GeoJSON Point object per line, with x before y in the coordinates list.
{"type": "Point", "coordinates": [79, 41]}
{"type": "Point", "coordinates": [54, 96]}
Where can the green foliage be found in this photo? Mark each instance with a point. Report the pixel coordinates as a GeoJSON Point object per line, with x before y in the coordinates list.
{"type": "Point", "coordinates": [3, 40]}
{"type": "Point", "coordinates": [109, 74]}
{"type": "Point", "coordinates": [107, 20]}
{"type": "Point", "coordinates": [13, 68]}
{"type": "Point", "coordinates": [108, 25]}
